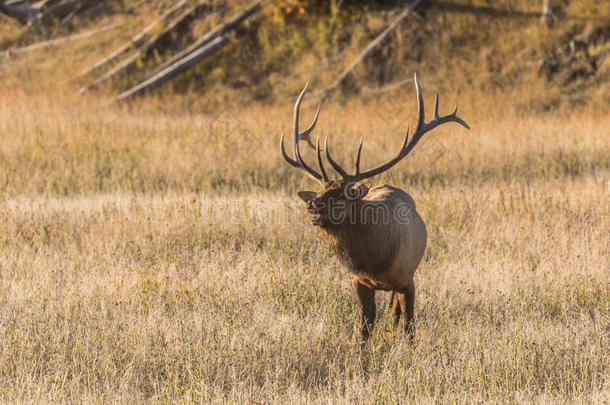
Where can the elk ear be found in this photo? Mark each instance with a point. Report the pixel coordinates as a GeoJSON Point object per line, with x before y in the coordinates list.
{"type": "Point", "coordinates": [307, 196]}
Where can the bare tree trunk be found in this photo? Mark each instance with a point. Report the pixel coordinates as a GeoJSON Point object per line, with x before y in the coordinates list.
{"type": "Point", "coordinates": [369, 48]}
{"type": "Point", "coordinates": [209, 36]}
{"type": "Point", "coordinates": [58, 41]}
{"type": "Point", "coordinates": [207, 45]}
{"type": "Point", "coordinates": [48, 3]}
{"type": "Point", "coordinates": [45, 13]}
{"type": "Point", "coordinates": [145, 49]}
{"type": "Point", "coordinates": [176, 68]}
{"type": "Point", "coordinates": [60, 10]}
{"type": "Point", "coordinates": [136, 40]}
{"type": "Point", "coordinates": [90, 8]}
{"type": "Point", "coordinates": [86, 12]}
{"type": "Point", "coordinates": [21, 13]}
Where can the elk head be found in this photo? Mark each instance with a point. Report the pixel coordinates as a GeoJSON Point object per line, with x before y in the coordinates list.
{"type": "Point", "coordinates": [334, 203]}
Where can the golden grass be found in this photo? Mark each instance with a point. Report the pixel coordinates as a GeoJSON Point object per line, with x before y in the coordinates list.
{"type": "Point", "coordinates": [62, 145]}
{"type": "Point", "coordinates": [156, 252]}
{"type": "Point", "coordinates": [118, 285]}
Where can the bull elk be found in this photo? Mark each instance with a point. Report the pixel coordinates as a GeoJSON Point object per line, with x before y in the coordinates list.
{"type": "Point", "coordinates": [376, 232]}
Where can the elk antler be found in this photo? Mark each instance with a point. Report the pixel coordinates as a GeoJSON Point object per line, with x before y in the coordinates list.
{"type": "Point", "coordinates": [421, 128]}
{"type": "Point", "coordinates": [298, 161]}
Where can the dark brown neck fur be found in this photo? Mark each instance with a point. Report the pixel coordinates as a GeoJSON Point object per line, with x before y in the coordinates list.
{"type": "Point", "coordinates": [361, 245]}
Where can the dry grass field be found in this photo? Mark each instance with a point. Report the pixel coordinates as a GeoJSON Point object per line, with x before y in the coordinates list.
{"type": "Point", "coordinates": [164, 257]}
{"type": "Point", "coordinates": [156, 251]}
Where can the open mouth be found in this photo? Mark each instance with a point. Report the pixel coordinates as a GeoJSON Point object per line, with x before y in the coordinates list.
{"type": "Point", "coordinates": [317, 218]}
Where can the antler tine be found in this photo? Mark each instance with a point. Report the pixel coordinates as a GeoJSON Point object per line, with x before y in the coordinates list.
{"type": "Point", "coordinates": [298, 136]}
{"type": "Point", "coordinates": [305, 166]}
{"type": "Point", "coordinates": [421, 119]}
{"type": "Point", "coordinates": [292, 162]}
{"type": "Point", "coordinates": [407, 145]}
{"type": "Point", "coordinates": [297, 107]}
{"type": "Point", "coordinates": [421, 128]}
{"type": "Point", "coordinates": [458, 119]}
{"type": "Point", "coordinates": [333, 163]}
{"type": "Point", "coordinates": [298, 161]}
{"type": "Point", "coordinates": [324, 175]}
{"type": "Point", "coordinates": [358, 154]}
{"type": "Point", "coordinates": [306, 134]}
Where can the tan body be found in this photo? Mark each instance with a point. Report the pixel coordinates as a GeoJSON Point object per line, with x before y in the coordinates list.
{"type": "Point", "coordinates": [377, 233]}
{"type": "Point", "coordinates": [381, 245]}
{"type": "Point", "coordinates": [385, 244]}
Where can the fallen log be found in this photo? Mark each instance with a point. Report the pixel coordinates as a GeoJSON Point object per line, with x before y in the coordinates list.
{"type": "Point", "coordinates": [19, 12]}
{"type": "Point", "coordinates": [136, 40]}
{"type": "Point", "coordinates": [206, 45]}
{"type": "Point", "coordinates": [175, 69]}
{"type": "Point", "coordinates": [47, 3]}
{"type": "Point", "coordinates": [369, 48]}
{"type": "Point", "coordinates": [386, 88]}
{"type": "Point", "coordinates": [59, 11]}
{"type": "Point", "coordinates": [231, 24]}
{"type": "Point", "coordinates": [90, 8]}
{"type": "Point", "coordinates": [518, 57]}
{"type": "Point", "coordinates": [87, 12]}
{"type": "Point", "coordinates": [148, 46]}
{"type": "Point", "coordinates": [57, 41]}
{"type": "Point", "coordinates": [44, 13]}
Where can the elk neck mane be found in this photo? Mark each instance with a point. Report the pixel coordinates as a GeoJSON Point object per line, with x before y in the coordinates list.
{"type": "Point", "coordinates": [368, 240]}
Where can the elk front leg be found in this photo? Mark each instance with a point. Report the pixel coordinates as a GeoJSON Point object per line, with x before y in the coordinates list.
{"type": "Point", "coordinates": [366, 300]}
{"type": "Point", "coordinates": [407, 303]}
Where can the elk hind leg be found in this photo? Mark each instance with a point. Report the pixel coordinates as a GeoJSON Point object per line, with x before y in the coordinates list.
{"type": "Point", "coordinates": [396, 309]}
{"type": "Point", "coordinates": [366, 300]}
{"type": "Point", "coordinates": [407, 302]}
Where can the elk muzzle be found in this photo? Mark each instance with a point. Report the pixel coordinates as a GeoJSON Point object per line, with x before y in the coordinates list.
{"type": "Point", "coordinates": [316, 209]}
